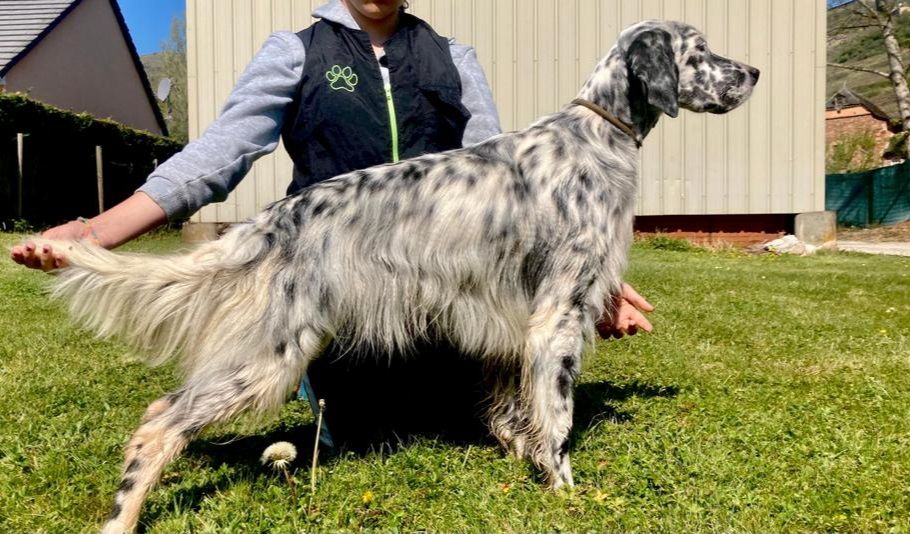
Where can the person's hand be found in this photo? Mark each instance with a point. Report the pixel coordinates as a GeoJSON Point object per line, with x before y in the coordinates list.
{"type": "Point", "coordinates": [627, 316]}
{"type": "Point", "coordinates": [45, 257]}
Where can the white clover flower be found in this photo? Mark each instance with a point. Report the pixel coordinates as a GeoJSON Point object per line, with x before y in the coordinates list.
{"type": "Point", "coordinates": [279, 454]}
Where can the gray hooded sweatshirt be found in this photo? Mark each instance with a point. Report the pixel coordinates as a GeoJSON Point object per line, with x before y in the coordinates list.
{"type": "Point", "coordinates": [249, 126]}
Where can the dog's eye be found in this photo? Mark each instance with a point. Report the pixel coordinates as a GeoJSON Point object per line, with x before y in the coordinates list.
{"type": "Point", "coordinates": [701, 46]}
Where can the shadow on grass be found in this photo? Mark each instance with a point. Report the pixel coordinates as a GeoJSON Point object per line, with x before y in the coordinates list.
{"type": "Point", "coordinates": [594, 402]}
{"type": "Point", "coordinates": [597, 401]}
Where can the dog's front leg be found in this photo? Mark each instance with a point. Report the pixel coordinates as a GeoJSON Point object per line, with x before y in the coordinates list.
{"type": "Point", "coordinates": [552, 363]}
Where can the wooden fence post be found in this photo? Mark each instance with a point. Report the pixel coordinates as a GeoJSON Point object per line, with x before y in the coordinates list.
{"type": "Point", "coordinates": [20, 152]}
{"type": "Point", "coordinates": [99, 169]}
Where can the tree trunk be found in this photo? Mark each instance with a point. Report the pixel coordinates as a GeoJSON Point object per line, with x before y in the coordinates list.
{"type": "Point", "coordinates": [896, 66]}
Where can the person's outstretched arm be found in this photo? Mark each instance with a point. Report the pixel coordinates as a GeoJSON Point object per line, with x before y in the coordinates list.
{"type": "Point", "coordinates": [125, 221]}
{"type": "Point", "coordinates": [207, 169]}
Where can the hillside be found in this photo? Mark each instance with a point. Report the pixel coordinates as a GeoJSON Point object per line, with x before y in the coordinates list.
{"type": "Point", "coordinates": [862, 48]}
{"type": "Point", "coordinates": [154, 68]}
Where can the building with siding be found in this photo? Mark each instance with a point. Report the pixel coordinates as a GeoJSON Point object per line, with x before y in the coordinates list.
{"type": "Point", "coordinates": [752, 169]}
{"type": "Point", "coordinates": [76, 55]}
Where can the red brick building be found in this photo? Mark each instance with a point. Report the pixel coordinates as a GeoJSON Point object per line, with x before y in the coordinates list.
{"type": "Point", "coordinates": [847, 113]}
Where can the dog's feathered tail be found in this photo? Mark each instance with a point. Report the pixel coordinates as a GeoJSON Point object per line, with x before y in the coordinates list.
{"type": "Point", "coordinates": [204, 305]}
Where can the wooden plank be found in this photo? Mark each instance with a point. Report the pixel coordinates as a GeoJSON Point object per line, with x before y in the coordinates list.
{"type": "Point", "coordinates": [821, 32]}
{"type": "Point", "coordinates": [483, 41]}
{"type": "Point", "coordinates": [671, 131]}
{"type": "Point", "coordinates": [525, 90]}
{"type": "Point", "coordinates": [206, 105]}
{"type": "Point", "coordinates": [264, 173]}
{"type": "Point", "coordinates": [715, 181]}
{"type": "Point", "coordinates": [781, 112]}
{"type": "Point", "coordinates": [567, 52]}
{"type": "Point", "coordinates": [224, 81]}
{"type": "Point", "coordinates": [737, 123]}
{"type": "Point", "coordinates": [547, 59]}
{"type": "Point", "coordinates": [244, 48]}
{"type": "Point", "coordinates": [694, 134]}
{"type": "Point", "coordinates": [760, 108]}
{"type": "Point", "coordinates": [805, 112]}
{"type": "Point", "coordinates": [650, 189]}
{"type": "Point", "coordinates": [504, 72]}
{"type": "Point", "coordinates": [463, 22]}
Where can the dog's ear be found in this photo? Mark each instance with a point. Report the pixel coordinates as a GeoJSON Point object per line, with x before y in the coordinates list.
{"type": "Point", "coordinates": [651, 59]}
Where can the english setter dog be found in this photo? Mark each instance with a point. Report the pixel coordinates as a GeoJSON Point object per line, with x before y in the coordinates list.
{"type": "Point", "coordinates": [509, 249]}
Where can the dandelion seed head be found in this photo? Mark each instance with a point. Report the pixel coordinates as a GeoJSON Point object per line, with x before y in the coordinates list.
{"type": "Point", "coordinates": [279, 454]}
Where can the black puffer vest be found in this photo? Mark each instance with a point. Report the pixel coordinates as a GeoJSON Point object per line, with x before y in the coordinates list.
{"type": "Point", "coordinates": [343, 119]}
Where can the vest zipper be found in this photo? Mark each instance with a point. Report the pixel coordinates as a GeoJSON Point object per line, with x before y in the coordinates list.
{"type": "Point", "coordinates": [393, 122]}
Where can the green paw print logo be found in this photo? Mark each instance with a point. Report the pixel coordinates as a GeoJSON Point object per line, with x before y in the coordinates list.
{"type": "Point", "coordinates": [341, 78]}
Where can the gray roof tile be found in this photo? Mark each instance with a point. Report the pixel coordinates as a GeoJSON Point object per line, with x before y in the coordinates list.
{"type": "Point", "coordinates": [22, 21]}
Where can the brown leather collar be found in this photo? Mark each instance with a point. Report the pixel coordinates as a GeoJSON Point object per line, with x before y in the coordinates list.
{"type": "Point", "coordinates": [609, 117]}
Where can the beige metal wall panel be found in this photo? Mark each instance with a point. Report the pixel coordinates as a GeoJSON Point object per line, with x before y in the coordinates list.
{"type": "Point", "coordinates": [767, 157]}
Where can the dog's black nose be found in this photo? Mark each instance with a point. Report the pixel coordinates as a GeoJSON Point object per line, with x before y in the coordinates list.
{"type": "Point", "coordinates": [754, 73]}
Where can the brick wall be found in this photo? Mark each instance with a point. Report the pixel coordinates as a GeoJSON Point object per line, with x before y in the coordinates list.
{"type": "Point", "coordinates": [854, 120]}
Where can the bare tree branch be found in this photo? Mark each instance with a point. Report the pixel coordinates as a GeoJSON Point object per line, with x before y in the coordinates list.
{"type": "Point", "coordinates": [860, 69]}
{"type": "Point", "coordinates": [854, 27]}
{"type": "Point", "coordinates": [870, 11]}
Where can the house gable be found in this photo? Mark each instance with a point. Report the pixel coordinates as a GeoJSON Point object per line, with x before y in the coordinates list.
{"type": "Point", "coordinates": [85, 61]}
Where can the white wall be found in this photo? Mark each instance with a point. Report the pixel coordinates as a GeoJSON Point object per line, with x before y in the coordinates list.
{"type": "Point", "coordinates": [767, 157]}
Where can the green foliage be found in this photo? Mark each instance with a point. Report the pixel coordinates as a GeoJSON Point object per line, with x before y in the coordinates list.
{"type": "Point", "coordinates": [20, 114]}
{"type": "Point", "coordinates": [852, 153]}
{"type": "Point", "coordinates": [860, 44]}
{"type": "Point", "coordinates": [173, 66]}
{"type": "Point", "coordinates": [897, 147]}
{"type": "Point", "coordinates": [759, 404]}
{"type": "Point", "coordinates": [862, 47]}
{"type": "Point", "coordinates": [22, 226]}
{"type": "Point", "coordinates": [59, 150]}
{"type": "Point", "coordinates": [664, 242]}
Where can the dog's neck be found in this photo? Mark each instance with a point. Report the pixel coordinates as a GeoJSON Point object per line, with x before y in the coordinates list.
{"type": "Point", "coordinates": [614, 88]}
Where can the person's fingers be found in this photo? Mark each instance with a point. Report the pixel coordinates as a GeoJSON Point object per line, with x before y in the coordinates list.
{"type": "Point", "coordinates": [633, 298]}
{"type": "Point", "coordinates": [17, 254]}
{"type": "Point", "coordinates": [644, 324]}
{"type": "Point", "coordinates": [59, 260]}
{"type": "Point", "coordinates": [46, 255]}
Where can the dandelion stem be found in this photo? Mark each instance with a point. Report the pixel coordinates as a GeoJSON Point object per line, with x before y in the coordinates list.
{"type": "Point", "coordinates": [316, 448]}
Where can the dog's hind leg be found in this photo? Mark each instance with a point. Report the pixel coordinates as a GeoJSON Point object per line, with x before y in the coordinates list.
{"type": "Point", "coordinates": [552, 363]}
{"type": "Point", "coordinates": [210, 395]}
{"type": "Point", "coordinates": [507, 418]}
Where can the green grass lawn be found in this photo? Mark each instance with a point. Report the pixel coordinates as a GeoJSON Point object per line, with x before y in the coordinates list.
{"type": "Point", "coordinates": [773, 395]}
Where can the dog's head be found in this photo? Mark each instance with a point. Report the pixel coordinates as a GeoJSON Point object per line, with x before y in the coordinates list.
{"type": "Point", "coordinates": [674, 68]}
{"type": "Point", "coordinates": [660, 66]}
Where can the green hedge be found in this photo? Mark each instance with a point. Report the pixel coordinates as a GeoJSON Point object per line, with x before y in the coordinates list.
{"type": "Point", "coordinates": [59, 179]}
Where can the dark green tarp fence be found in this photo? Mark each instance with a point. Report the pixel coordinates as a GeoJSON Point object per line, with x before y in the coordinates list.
{"type": "Point", "coordinates": [878, 196]}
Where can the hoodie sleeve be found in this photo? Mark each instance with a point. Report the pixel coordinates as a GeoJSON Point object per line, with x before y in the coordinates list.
{"type": "Point", "coordinates": [476, 95]}
{"type": "Point", "coordinates": [249, 126]}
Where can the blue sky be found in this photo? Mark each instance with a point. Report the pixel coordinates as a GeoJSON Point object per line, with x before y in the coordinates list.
{"type": "Point", "coordinates": [149, 21]}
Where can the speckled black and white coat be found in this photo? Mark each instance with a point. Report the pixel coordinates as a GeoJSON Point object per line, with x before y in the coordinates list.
{"type": "Point", "coordinates": [508, 248]}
